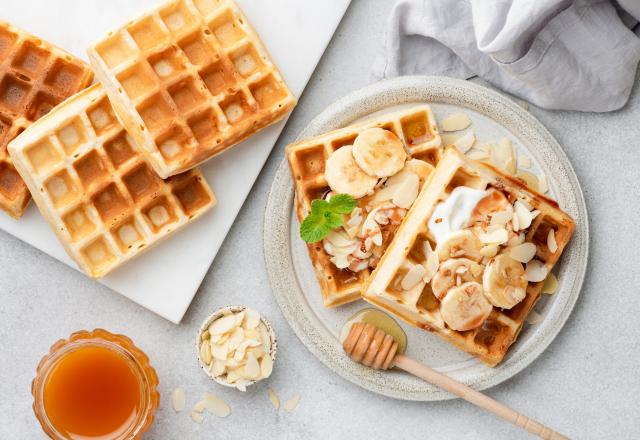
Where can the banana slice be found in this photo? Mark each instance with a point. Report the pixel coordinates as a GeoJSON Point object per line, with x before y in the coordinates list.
{"type": "Point", "coordinates": [345, 177]}
{"type": "Point", "coordinates": [379, 152]}
{"type": "Point", "coordinates": [460, 244]}
{"type": "Point", "coordinates": [465, 307]}
{"type": "Point", "coordinates": [503, 281]}
{"type": "Point", "coordinates": [453, 270]}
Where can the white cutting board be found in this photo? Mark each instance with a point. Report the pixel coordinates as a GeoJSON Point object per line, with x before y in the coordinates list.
{"type": "Point", "coordinates": [165, 279]}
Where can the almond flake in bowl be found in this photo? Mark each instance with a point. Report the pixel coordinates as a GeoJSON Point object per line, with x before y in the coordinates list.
{"type": "Point", "coordinates": [236, 347]}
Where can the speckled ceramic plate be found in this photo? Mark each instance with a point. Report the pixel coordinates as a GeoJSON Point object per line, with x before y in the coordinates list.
{"type": "Point", "coordinates": [294, 284]}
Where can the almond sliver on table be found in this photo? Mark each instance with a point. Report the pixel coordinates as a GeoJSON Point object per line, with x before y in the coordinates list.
{"type": "Point", "coordinates": [295, 34]}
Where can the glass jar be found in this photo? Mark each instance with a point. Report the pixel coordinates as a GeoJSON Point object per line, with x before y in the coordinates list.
{"type": "Point", "coordinates": [95, 384]}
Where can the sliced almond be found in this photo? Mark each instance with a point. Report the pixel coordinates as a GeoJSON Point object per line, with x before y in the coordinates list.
{"type": "Point", "coordinates": [220, 351]}
{"type": "Point", "coordinates": [178, 399]}
{"type": "Point", "coordinates": [291, 404]}
{"type": "Point", "coordinates": [477, 154]}
{"type": "Point", "coordinates": [407, 191]}
{"type": "Point", "coordinates": [536, 271]}
{"type": "Point", "coordinates": [516, 240]}
{"type": "Point", "coordinates": [251, 368]}
{"type": "Point", "coordinates": [205, 352]}
{"type": "Point", "coordinates": [273, 397]}
{"type": "Point", "coordinates": [550, 284]}
{"type": "Point", "coordinates": [253, 319]}
{"type": "Point", "coordinates": [551, 241]}
{"type": "Point", "coordinates": [413, 277]}
{"type": "Point", "coordinates": [498, 236]}
{"type": "Point", "coordinates": [222, 325]}
{"type": "Point", "coordinates": [523, 252]}
{"type": "Point", "coordinates": [529, 178]}
{"type": "Point", "coordinates": [503, 156]}
{"type": "Point", "coordinates": [455, 122]}
{"type": "Point", "coordinates": [197, 417]}
{"type": "Point", "coordinates": [216, 405]}
{"type": "Point", "coordinates": [241, 385]}
{"type": "Point", "coordinates": [266, 366]}
{"type": "Point", "coordinates": [431, 265]}
{"type": "Point", "coordinates": [502, 217]}
{"type": "Point", "coordinates": [449, 138]}
{"type": "Point", "coordinates": [465, 143]}
{"type": "Point", "coordinates": [199, 406]}
{"type": "Point", "coordinates": [524, 216]}
{"type": "Point", "coordinates": [543, 186]}
{"type": "Point", "coordinates": [205, 335]}
{"type": "Point", "coordinates": [236, 338]}
{"type": "Point", "coordinates": [489, 251]}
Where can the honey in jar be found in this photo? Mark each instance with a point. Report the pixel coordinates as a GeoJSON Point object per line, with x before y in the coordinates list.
{"type": "Point", "coordinates": [95, 386]}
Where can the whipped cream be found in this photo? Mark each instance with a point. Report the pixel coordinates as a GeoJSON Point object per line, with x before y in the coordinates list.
{"type": "Point", "coordinates": [453, 214]}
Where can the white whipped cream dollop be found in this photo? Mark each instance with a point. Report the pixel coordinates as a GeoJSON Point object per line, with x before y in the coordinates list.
{"type": "Point", "coordinates": [453, 214]}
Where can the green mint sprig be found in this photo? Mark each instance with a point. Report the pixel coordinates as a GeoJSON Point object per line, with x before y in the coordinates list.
{"type": "Point", "coordinates": [326, 216]}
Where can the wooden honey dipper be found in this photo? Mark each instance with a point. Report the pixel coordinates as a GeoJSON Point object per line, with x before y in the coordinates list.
{"type": "Point", "coordinates": [371, 346]}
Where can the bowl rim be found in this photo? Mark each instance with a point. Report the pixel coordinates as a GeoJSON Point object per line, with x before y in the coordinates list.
{"type": "Point", "coordinates": [218, 314]}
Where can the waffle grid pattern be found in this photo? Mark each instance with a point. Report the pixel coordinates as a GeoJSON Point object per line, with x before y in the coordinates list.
{"type": "Point", "coordinates": [189, 80]}
{"type": "Point", "coordinates": [415, 127]}
{"type": "Point", "coordinates": [34, 77]}
{"type": "Point", "coordinates": [101, 198]}
{"type": "Point", "coordinates": [419, 306]}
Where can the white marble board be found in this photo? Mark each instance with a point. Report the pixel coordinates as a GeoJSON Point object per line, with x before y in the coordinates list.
{"type": "Point", "coordinates": [166, 278]}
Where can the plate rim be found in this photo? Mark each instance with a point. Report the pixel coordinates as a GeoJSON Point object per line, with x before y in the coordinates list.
{"type": "Point", "coordinates": [355, 105]}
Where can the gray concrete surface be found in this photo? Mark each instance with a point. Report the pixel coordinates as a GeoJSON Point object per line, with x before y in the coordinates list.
{"type": "Point", "coordinates": [585, 385]}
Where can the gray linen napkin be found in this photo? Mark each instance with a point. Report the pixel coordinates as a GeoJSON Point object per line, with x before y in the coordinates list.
{"type": "Point", "coordinates": [557, 54]}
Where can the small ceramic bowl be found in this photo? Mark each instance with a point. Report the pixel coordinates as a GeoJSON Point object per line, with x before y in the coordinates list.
{"type": "Point", "coordinates": [218, 314]}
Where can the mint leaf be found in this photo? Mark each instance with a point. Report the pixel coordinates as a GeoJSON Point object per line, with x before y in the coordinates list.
{"type": "Point", "coordinates": [314, 228]}
{"type": "Point", "coordinates": [333, 220]}
{"type": "Point", "coordinates": [325, 216]}
{"type": "Point", "coordinates": [319, 206]}
{"type": "Point", "coordinates": [342, 204]}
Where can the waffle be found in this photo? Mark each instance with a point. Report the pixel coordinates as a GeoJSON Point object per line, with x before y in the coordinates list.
{"type": "Point", "coordinates": [34, 77]}
{"type": "Point", "coordinates": [416, 127]}
{"type": "Point", "coordinates": [189, 80]}
{"type": "Point", "coordinates": [101, 198]}
{"type": "Point", "coordinates": [419, 306]}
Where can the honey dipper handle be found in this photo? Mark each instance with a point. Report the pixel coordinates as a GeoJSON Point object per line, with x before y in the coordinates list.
{"type": "Point", "coordinates": [477, 398]}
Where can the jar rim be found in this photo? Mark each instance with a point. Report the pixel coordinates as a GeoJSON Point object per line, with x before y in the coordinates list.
{"type": "Point", "coordinates": [124, 347]}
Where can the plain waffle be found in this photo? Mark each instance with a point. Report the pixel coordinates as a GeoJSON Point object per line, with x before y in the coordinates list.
{"type": "Point", "coordinates": [189, 80]}
{"type": "Point", "coordinates": [418, 306]}
{"type": "Point", "coordinates": [34, 77]}
{"type": "Point", "coordinates": [415, 127]}
{"type": "Point", "coordinates": [104, 202]}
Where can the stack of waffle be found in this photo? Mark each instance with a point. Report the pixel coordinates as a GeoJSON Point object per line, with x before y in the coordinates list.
{"type": "Point", "coordinates": [418, 305]}
{"type": "Point", "coordinates": [180, 84]}
{"type": "Point", "coordinates": [189, 80]}
{"type": "Point", "coordinates": [104, 202]}
{"type": "Point", "coordinates": [35, 76]}
{"type": "Point", "coordinates": [417, 130]}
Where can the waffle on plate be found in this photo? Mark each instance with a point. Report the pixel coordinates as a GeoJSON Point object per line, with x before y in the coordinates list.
{"type": "Point", "coordinates": [104, 202]}
{"type": "Point", "coordinates": [344, 260]}
{"type": "Point", "coordinates": [189, 80]}
{"type": "Point", "coordinates": [34, 77]}
{"type": "Point", "coordinates": [469, 260]}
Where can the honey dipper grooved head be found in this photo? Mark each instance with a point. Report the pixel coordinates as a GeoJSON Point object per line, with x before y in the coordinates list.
{"type": "Point", "coordinates": [370, 346]}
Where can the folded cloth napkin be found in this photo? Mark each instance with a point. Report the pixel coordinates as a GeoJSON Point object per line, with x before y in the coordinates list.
{"type": "Point", "coordinates": [557, 54]}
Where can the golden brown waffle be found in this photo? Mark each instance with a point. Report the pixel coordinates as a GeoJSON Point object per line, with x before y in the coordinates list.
{"type": "Point", "coordinates": [34, 77]}
{"type": "Point", "coordinates": [189, 80]}
{"type": "Point", "coordinates": [416, 128]}
{"type": "Point", "coordinates": [104, 202]}
{"type": "Point", "coordinates": [419, 306]}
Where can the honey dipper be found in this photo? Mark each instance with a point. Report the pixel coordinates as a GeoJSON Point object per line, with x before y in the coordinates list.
{"type": "Point", "coordinates": [374, 348]}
